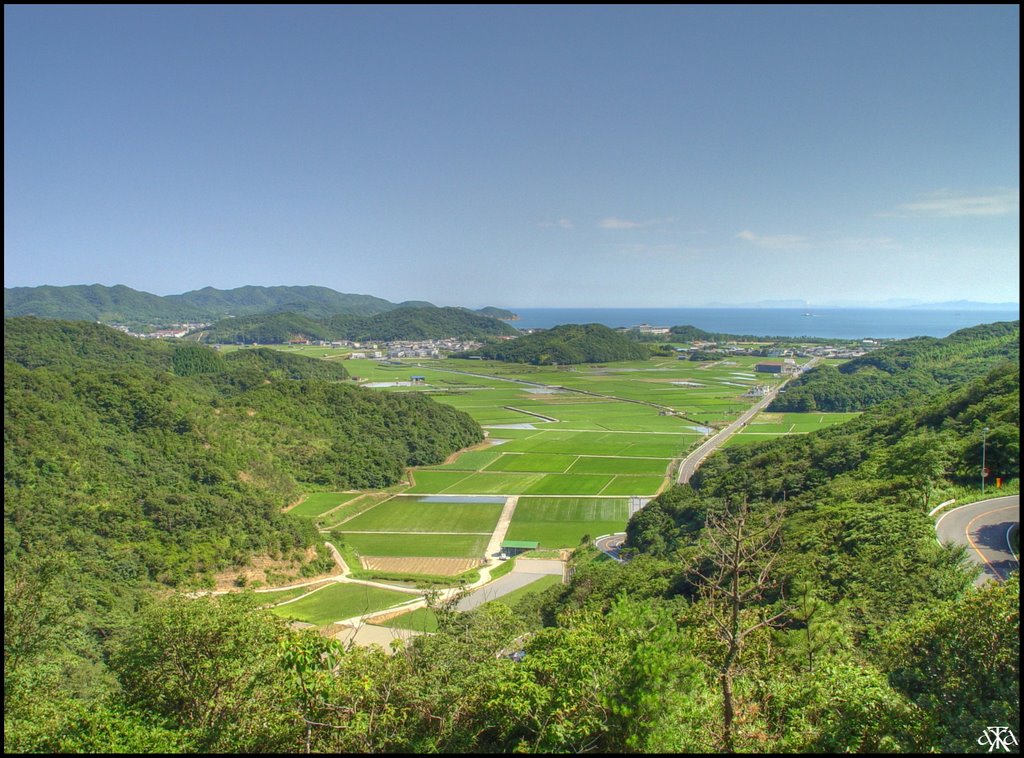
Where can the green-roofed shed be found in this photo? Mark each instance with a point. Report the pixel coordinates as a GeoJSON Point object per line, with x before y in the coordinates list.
{"type": "Point", "coordinates": [513, 548]}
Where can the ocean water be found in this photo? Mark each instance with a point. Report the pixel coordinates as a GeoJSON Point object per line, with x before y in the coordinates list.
{"type": "Point", "coordinates": [836, 323]}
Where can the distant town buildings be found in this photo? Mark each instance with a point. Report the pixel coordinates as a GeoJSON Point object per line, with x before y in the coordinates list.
{"type": "Point", "coordinates": [174, 331]}
{"type": "Point", "coordinates": [648, 329]}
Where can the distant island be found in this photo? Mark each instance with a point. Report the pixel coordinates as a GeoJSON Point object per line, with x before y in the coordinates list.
{"type": "Point", "coordinates": [892, 303]}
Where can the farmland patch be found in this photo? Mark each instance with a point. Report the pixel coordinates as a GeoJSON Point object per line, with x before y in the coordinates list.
{"type": "Point", "coordinates": [419, 565]}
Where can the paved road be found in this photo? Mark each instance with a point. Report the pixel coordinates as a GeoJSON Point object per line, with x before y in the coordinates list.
{"type": "Point", "coordinates": [692, 462]}
{"type": "Point", "coordinates": [526, 571]}
{"type": "Point", "coordinates": [610, 544]}
{"type": "Point", "coordinates": [983, 528]}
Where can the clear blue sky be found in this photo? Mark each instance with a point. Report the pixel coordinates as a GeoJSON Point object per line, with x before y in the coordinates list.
{"type": "Point", "coordinates": [517, 156]}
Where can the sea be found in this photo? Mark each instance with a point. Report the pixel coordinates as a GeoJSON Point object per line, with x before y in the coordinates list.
{"type": "Point", "coordinates": [832, 323]}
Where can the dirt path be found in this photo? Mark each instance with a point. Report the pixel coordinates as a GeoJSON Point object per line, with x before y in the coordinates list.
{"type": "Point", "coordinates": [345, 570]}
{"type": "Point", "coordinates": [501, 528]}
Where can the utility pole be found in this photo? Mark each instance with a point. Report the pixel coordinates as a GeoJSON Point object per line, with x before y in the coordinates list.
{"type": "Point", "coordinates": [984, 471]}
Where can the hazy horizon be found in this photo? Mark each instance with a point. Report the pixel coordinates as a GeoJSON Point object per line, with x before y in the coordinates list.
{"type": "Point", "coordinates": [894, 304]}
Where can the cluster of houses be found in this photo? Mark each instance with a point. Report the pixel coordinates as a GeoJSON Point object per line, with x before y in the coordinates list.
{"type": "Point", "coordinates": [648, 329]}
{"type": "Point", "coordinates": [806, 351]}
{"type": "Point", "coordinates": [174, 331]}
{"type": "Point", "coordinates": [828, 351]}
{"type": "Point", "coordinates": [396, 349]}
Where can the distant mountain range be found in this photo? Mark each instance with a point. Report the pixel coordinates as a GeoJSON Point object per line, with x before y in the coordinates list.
{"type": "Point", "coordinates": [949, 305]}
{"type": "Point", "coordinates": [123, 305]}
{"type": "Point", "coordinates": [968, 305]}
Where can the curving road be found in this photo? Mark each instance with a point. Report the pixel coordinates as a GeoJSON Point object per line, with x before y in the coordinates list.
{"type": "Point", "coordinates": [983, 528]}
{"type": "Point", "coordinates": [611, 544]}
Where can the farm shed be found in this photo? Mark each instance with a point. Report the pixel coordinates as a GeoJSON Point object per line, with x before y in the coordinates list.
{"type": "Point", "coordinates": [512, 548]}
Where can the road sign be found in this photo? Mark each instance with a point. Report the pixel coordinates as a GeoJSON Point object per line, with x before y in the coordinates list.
{"type": "Point", "coordinates": [984, 472]}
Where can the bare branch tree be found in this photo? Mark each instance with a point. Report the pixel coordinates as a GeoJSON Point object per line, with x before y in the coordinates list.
{"type": "Point", "coordinates": [741, 549]}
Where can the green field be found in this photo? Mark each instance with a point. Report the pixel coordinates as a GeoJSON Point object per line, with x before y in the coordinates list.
{"type": "Point", "coordinates": [410, 514]}
{"type": "Point", "coordinates": [419, 620]}
{"type": "Point", "coordinates": [668, 445]}
{"type": "Point", "coordinates": [548, 463]}
{"type": "Point", "coordinates": [571, 484]}
{"type": "Point", "coordinates": [279, 596]}
{"type": "Point", "coordinates": [601, 465]}
{"type": "Point", "coordinates": [766, 426]}
{"type": "Point", "coordinates": [340, 601]}
{"type": "Point", "coordinates": [416, 545]}
{"type": "Point", "coordinates": [538, 585]}
{"type": "Point", "coordinates": [317, 503]}
{"type": "Point", "coordinates": [605, 431]}
{"type": "Point", "coordinates": [562, 522]}
{"type": "Point", "coordinates": [633, 485]}
{"type": "Point", "coordinates": [475, 460]}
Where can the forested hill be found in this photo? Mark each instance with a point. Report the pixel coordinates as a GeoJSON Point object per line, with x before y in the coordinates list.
{"type": "Point", "coordinates": [147, 461]}
{"type": "Point", "coordinates": [421, 323]}
{"type": "Point", "coordinates": [924, 364]}
{"type": "Point", "coordinates": [857, 560]}
{"type": "Point", "coordinates": [494, 312]}
{"type": "Point", "coordinates": [880, 472]}
{"type": "Point", "coordinates": [567, 344]}
{"type": "Point", "coordinates": [120, 304]}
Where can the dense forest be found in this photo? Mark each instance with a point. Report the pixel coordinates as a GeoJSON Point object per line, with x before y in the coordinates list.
{"type": "Point", "coordinates": [566, 344]}
{"type": "Point", "coordinates": [157, 462]}
{"type": "Point", "coordinates": [794, 599]}
{"type": "Point", "coordinates": [421, 323]}
{"type": "Point", "coordinates": [923, 364]}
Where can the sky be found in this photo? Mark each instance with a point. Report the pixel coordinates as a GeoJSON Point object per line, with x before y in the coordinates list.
{"type": "Point", "coordinates": [531, 156]}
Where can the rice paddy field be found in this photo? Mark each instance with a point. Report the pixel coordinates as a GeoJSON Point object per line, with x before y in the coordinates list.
{"type": "Point", "coordinates": [772, 425]}
{"type": "Point", "coordinates": [389, 545]}
{"type": "Point", "coordinates": [418, 514]}
{"type": "Point", "coordinates": [317, 504]}
{"type": "Point", "coordinates": [574, 443]}
{"type": "Point", "coordinates": [563, 522]}
{"type": "Point", "coordinates": [419, 620]}
{"type": "Point", "coordinates": [340, 601]}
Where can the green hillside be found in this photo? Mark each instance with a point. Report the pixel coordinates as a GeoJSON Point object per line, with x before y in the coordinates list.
{"type": "Point", "coordinates": [154, 461]}
{"type": "Point", "coordinates": [567, 344]}
{"type": "Point", "coordinates": [921, 364]}
{"type": "Point", "coordinates": [857, 494]}
{"type": "Point", "coordinates": [420, 323]}
{"type": "Point", "coordinates": [120, 304]}
{"type": "Point", "coordinates": [315, 302]}
{"type": "Point", "coordinates": [96, 302]}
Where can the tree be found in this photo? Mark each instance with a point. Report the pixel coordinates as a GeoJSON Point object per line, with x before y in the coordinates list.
{"type": "Point", "coordinates": [921, 459]}
{"type": "Point", "coordinates": [817, 632]}
{"type": "Point", "coordinates": [741, 548]}
{"type": "Point", "coordinates": [960, 662]}
{"type": "Point", "coordinates": [210, 669]}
